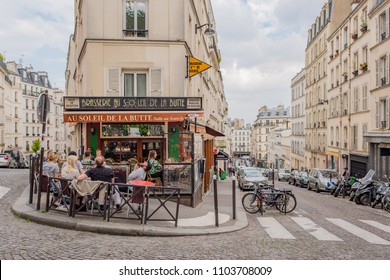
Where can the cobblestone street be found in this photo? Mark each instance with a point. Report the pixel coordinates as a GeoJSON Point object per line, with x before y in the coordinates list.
{"type": "Point", "coordinates": [22, 239]}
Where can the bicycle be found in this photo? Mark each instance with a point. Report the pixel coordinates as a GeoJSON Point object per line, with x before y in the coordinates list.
{"type": "Point", "coordinates": [268, 196]}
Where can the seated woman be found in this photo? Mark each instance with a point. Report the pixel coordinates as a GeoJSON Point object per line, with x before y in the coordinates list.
{"type": "Point", "coordinates": [156, 168]}
{"type": "Point", "coordinates": [70, 171]}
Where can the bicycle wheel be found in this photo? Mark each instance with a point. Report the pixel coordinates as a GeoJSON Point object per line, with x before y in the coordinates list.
{"type": "Point", "coordinates": [285, 202]}
{"type": "Point", "coordinates": [251, 203]}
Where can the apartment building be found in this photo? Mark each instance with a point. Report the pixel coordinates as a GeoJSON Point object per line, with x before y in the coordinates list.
{"type": "Point", "coordinates": [348, 96]}
{"type": "Point", "coordinates": [5, 105]}
{"type": "Point", "coordinates": [298, 121]}
{"type": "Point", "coordinates": [317, 87]}
{"type": "Point", "coordinates": [378, 135]}
{"type": "Point", "coordinates": [266, 120]}
{"type": "Point", "coordinates": [131, 84]}
{"type": "Point", "coordinates": [241, 140]}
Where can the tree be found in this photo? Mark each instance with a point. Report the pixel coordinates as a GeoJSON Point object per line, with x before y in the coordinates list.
{"type": "Point", "coordinates": [1, 57]}
{"type": "Point", "coordinates": [36, 145]}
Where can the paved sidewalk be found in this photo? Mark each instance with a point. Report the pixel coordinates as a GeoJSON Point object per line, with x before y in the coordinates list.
{"type": "Point", "coordinates": [192, 221]}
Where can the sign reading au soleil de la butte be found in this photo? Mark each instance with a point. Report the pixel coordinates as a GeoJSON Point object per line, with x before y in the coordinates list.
{"type": "Point", "coordinates": [73, 103]}
{"type": "Point", "coordinates": [196, 66]}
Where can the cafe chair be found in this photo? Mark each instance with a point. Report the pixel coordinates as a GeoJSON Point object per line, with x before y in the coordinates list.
{"type": "Point", "coordinates": [132, 162]}
{"type": "Point", "coordinates": [110, 160]}
{"type": "Point", "coordinates": [156, 181]}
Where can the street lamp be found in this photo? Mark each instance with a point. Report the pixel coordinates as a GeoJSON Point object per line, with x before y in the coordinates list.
{"type": "Point", "coordinates": [209, 31]}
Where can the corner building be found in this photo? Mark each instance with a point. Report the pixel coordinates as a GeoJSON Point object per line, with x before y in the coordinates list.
{"type": "Point", "coordinates": [129, 90]}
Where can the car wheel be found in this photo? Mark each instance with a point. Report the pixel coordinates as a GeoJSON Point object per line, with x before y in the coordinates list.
{"type": "Point", "coordinates": [289, 181]}
{"type": "Point", "coordinates": [317, 189]}
{"type": "Point", "coordinates": [308, 187]}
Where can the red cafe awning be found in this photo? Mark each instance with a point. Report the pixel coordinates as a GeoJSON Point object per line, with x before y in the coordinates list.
{"type": "Point", "coordinates": [125, 117]}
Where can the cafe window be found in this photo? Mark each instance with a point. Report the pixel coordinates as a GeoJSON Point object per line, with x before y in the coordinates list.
{"type": "Point", "coordinates": [131, 130]}
{"type": "Point", "coordinates": [135, 84]}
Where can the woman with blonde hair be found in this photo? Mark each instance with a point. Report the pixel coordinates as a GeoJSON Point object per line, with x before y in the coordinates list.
{"type": "Point", "coordinates": [70, 171]}
{"type": "Point", "coordinates": [155, 170]}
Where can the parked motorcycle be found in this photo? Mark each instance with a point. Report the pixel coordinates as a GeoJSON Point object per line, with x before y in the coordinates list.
{"type": "Point", "coordinates": [344, 187]}
{"type": "Point", "coordinates": [360, 183]}
{"type": "Point", "coordinates": [386, 200]}
{"type": "Point", "coordinates": [381, 192]}
{"type": "Point", "coordinates": [366, 193]}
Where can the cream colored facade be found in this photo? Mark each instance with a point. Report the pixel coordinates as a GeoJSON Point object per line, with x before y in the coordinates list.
{"type": "Point", "coordinates": [298, 121]}
{"type": "Point", "coordinates": [104, 49]}
{"type": "Point", "coordinates": [317, 69]}
{"type": "Point", "coordinates": [5, 92]}
{"type": "Point", "coordinates": [378, 135]}
{"type": "Point", "coordinates": [348, 95]}
{"type": "Point", "coordinates": [267, 119]}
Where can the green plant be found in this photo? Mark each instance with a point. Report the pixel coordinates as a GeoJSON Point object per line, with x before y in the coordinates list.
{"type": "Point", "coordinates": [36, 145]}
{"type": "Point", "coordinates": [1, 57]}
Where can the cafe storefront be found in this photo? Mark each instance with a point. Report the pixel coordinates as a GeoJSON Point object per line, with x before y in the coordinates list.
{"type": "Point", "coordinates": [125, 129]}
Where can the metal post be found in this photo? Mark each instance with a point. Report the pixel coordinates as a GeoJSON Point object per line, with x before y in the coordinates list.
{"type": "Point", "coordinates": [216, 201]}
{"type": "Point", "coordinates": [40, 181]}
{"type": "Point", "coordinates": [30, 198]}
{"type": "Point", "coordinates": [234, 196]}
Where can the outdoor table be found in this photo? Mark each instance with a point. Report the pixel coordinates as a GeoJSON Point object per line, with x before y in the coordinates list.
{"type": "Point", "coordinates": [137, 196]}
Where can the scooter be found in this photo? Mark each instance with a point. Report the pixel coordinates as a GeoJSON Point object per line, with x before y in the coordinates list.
{"type": "Point", "coordinates": [360, 184]}
{"type": "Point", "coordinates": [386, 200]}
{"type": "Point", "coordinates": [380, 193]}
{"type": "Point", "coordinates": [366, 193]}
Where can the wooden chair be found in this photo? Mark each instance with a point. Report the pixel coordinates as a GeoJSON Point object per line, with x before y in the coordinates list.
{"type": "Point", "coordinates": [156, 181]}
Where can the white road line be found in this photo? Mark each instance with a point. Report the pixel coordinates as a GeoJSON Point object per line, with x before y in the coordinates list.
{"type": "Point", "coordinates": [3, 191]}
{"type": "Point", "coordinates": [315, 230]}
{"type": "Point", "coordinates": [377, 225]}
{"type": "Point", "coordinates": [274, 228]}
{"type": "Point", "coordinates": [364, 234]}
{"type": "Point", "coordinates": [206, 220]}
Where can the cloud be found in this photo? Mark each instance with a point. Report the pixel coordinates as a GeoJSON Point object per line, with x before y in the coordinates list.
{"type": "Point", "coordinates": [263, 47]}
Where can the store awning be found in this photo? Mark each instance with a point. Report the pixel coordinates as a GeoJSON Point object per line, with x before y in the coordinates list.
{"type": "Point", "coordinates": [330, 153]}
{"type": "Point", "coordinates": [126, 116]}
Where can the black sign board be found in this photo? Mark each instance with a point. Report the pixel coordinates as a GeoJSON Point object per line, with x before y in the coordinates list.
{"type": "Point", "coordinates": [132, 103]}
{"type": "Point", "coordinates": [43, 107]}
{"type": "Point", "coordinates": [221, 156]}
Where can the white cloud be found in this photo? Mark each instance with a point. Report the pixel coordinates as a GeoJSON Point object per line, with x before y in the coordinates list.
{"type": "Point", "coordinates": [262, 46]}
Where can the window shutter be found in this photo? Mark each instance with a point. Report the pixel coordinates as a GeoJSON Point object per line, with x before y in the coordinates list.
{"type": "Point", "coordinates": [113, 81]}
{"type": "Point", "coordinates": [377, 73]}
{"type": "Point", "coordinates": [387, 23]}
{"type": "Point", "coordinates": [156, 82]}
{"type": "Point", "coordinates": [387, 68]}
{"type": "Point", "coordinates": [377, 29]}
{"type": "Point", "coordinates": [377, 114]}
{"type": "Point", "coordinates": [387, 119]}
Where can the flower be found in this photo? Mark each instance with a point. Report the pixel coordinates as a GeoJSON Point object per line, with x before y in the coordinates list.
{"type": "Point", "coordinates": [363, 66]}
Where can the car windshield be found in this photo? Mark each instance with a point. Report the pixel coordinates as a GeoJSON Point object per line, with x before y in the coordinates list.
{"type": "Point", "coordinates": [304, 174]}
{"type": "Point", "coordinates": [284, 171]}
{"type": "Point", "coordinates": [329, 174]}
{"type": "Point", "coordinates": [253, 173]}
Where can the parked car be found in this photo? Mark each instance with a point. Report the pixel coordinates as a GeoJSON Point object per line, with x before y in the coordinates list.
{"type": "Point", "coordinates": [283, 174]}
{"type": "Point", "coordinates": [4, 159]}
{"type": "Point", "coordinates": [303, 179]}
{"type": "Point", "coordinates": [250, 175]}
{"type": "Point", "coordinates": [294, 177]}
{"type": "Point", "coordinates": [323, 179]}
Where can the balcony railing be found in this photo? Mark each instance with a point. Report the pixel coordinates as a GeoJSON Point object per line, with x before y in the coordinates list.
{"type": "Point", "coordinates": [136, 33]}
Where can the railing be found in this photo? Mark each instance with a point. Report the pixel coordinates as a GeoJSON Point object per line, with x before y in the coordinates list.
{"type": "Point", "coordinates": [136, 33]}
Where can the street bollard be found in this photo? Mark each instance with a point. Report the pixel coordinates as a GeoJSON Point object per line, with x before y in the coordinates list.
{"type": "Point", "coordinates": [216, 201]}
{"type": "Point", "coordinates": [234, 196]}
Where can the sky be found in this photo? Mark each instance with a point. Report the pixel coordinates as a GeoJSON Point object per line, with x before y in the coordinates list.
{"type": "Point", "coordinates": [262, 44]}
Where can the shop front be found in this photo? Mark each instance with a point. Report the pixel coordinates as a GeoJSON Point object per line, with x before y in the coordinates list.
{"type": "Point", "coordinates": [125, 129]}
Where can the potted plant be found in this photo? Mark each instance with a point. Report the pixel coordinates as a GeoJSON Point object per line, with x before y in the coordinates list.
{"type": "Point", "coordinates": [354, 35]}
{"type": "Point", "coordinates": [363, 66]}
{"type": "Point", "coordinates": [363, 27]}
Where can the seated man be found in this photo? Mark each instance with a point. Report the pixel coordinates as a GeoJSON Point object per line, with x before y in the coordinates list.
{"type": "Point", "coordinates": [101, 173]}
{"type": "Point", "coordinates": [139, 172]}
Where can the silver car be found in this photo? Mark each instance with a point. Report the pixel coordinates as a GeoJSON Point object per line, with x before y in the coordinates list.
{"type": "Point", "coordinates": [4, 160]}
{"type": "Point", "coordinates": [283, 174]}
{"type": "Point", "coordinates": [249, 176]}
{"type": "Point", "coordinates": [322, 179]}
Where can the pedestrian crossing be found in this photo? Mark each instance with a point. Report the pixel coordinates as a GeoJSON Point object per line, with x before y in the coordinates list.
{"type": "Point", "coordinates": [3, 191]}
{"type": "Point", "coordinates": [285, 228]}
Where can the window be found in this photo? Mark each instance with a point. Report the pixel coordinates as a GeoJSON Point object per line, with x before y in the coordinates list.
{"type": "Point", "coordinates": [356, 99]}
{"type": "Point", "coordinates": [136, 18]}
{"type": "Point", "coordinates": [382, 26]}
{"type": "Point", "coordinates": [345, 137]}
{"type": "Point", "coordinates": [365, 141]}
{"type": "Point", "coordinates": [354, 137]}
{"type": "Point", "coordinates": [135, 85]}
{"type": "Point", "coordinates": [382, 71]}
{"type": "Point", "coordinates": [365, 97]}
{"type": "Point", "coordinates": [26, 103]}
{"type": "Point", "coordinates": [382, 114]}
{"type": "Point", "coordinates": [355, 61]}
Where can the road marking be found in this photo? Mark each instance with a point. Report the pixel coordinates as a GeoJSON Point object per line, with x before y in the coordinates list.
{"type": "Point", "coordinates": [3, 191]}
{"type": "Point", "coordinates": [315, 230]}
{"type": "Point", "coordinates": [364, 234]}
{"type": "Point", "coordinates": [274, 228]}
{"type": "Point", "coordinates": [377, 225]}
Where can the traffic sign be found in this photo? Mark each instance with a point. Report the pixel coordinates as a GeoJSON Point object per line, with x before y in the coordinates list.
{"type": "Point", "coordinates": [196, 66]}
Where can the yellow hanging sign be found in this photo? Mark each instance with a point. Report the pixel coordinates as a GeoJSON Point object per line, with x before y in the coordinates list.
{"type": "Point", "coordinates": [196, 66]}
